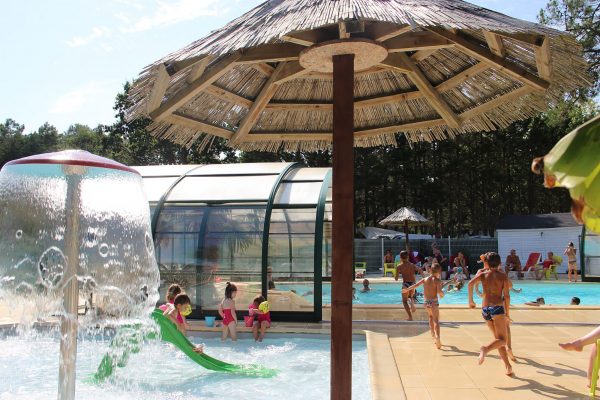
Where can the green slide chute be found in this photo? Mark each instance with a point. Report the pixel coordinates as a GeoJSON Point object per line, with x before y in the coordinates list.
{"type": "Point", "coordinates": [129, 339]}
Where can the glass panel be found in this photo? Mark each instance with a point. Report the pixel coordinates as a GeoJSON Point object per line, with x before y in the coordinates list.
{"type": "Point", "coordinates": [229, 188]}
{"type": "Point", "coordinates": [592, 255]}
{"type": "Point", "coordinates": [231, 252]}
{"type": "Point", "coordinates": [300, 174]}
{"type": "Point", "coordinates": [298, 193]}
{"type": "Point", "coordinates": [242, 169]}
{"type": "Point", "coordinates": [291, 259]}
{"type": "Point", "coordinates": [155, 188]}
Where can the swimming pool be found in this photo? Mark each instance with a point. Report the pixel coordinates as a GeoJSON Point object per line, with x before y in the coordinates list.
{"type": "Point", "coordinates": [552, 292]}
{"type": "Point", "coordinates": [159, 371]}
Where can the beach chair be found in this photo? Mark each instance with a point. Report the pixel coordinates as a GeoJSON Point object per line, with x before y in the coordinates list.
{"type": "Point", "coordinates": [529, 267]}
{"type": "Point", "coordinates": [552, 269]}
{"type": "Point", "coordinates": [389, 267]}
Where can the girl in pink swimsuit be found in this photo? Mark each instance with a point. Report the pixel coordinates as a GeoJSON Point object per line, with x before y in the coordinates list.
{"type": "Point", "coordinates": [227, 312]}
{"type": "Point", "coordinates": [263, 319]}
{"type": "Point", "coordinates": [181, 305]}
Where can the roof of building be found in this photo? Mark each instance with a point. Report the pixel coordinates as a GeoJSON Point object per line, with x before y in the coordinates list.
{"type": "Point", "coordinates": [538, 221]}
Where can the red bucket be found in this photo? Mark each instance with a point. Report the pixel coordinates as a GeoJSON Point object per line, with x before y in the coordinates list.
{"type": "Point", "coordinates": [248, 320]}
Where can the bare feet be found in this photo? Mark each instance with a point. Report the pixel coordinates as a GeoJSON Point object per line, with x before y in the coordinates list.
{"type": "Point", "coordinates": [511, 355]}
{"type": "Point", "coordinates": [413, 308]}
{"type": "Point", "coordinates": [438, 343]}
{"type": "Point", "coordinates": [409, 319]}
{"type": "Point", "coordinates": [509, 370]}
{"type": "Point", "coordinates": [482, 354]}
{"type": "Point", "coordinates": [572, 346]}
{"type": "Point", "coordinates": [199, 349]}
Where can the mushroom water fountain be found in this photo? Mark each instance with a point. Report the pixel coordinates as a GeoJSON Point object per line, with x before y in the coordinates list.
{"type": "Point", "coordinates": [73, 227]}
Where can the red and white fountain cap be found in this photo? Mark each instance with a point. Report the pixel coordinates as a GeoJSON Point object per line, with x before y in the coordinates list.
{"type": "Point", "coordinates": [73, 157]}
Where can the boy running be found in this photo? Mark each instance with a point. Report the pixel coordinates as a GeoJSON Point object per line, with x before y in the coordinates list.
{"type": "Point", "coordinates": [495, 307]}
{"type": "Point", "coordinates": [432, 287]}
{"type": "Point", "coordinates": [407, 270]}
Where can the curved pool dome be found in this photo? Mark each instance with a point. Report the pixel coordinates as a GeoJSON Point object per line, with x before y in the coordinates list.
{"type": "Point", "coordinates": [232, 222]}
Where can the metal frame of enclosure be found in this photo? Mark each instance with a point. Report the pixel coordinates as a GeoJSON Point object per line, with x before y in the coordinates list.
{"type": "Point", "coordinates": [230, 222]}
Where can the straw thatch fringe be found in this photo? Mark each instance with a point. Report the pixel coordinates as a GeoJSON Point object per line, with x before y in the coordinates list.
{"type": "Point", "coordinates": [271, 20]}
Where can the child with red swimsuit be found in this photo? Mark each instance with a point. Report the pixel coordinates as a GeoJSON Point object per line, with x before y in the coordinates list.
{"type": "Point", "coordinates": [227, 312]}
{"type": "Point", "coordinates": [263, 318]}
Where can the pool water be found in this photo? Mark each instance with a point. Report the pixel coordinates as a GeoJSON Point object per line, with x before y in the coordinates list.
{"type": "Point", "coordinates": [552, 292]}
{"type": "Point", "coordinates": [28, 370]}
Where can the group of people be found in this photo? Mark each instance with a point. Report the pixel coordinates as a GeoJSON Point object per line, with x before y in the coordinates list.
{"type": "Point", "coordinates": [178, 306]}
{"type": "Point", "coordinates": [513, 263]}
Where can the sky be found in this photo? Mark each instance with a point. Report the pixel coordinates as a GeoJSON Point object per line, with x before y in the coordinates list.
{"type": "Point", "coordinates": [64, 61]}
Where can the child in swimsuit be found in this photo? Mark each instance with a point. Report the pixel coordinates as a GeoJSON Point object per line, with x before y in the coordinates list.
{"type": "Point", "coordinates": [495, 307]}
{"type": "Point", "coordinates": [432, 287]}
{"type": "Point", "coordinates": [227, 312]}
{"type": "Point", "coordinates": [407, 270]}
{"type": "Point", "coordinates": [177, 310]}
{"type": "Point", "coordinates": [571, 252]}
{"type": "Point", "coordinates": [263, 318]}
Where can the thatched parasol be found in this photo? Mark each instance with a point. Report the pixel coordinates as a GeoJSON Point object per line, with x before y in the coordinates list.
{"type": "Point", "coordinates": [313, 74]}
{"type": "Point", "coordinates": [405, 217]}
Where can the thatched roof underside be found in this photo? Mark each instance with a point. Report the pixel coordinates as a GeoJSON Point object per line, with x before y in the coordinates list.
{"type": "Point", "coordinates": [402, 215]}
{"type": "Point", "coordinates": [482, 71]}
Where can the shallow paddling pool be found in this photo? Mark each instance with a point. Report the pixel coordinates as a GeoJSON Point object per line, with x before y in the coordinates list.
{"type": "Point", "coordinates": [28, 366]}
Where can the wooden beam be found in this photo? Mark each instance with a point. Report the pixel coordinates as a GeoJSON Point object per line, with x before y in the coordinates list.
{"type": "Point", "coordinates": [308, 38]}
{"type": "Point", "coordinates": [495, 44]}
{"type": "Point", "coordinates": [495, 102]}
{"type": "Point", "coordinates": [395, 61]}
{"type": "Point", "coordinates": [476, 50]}
{"type": "Point", "coordinates": [383, 31]}
{"type": "Point", "coordinates": [396, 97]}
{"type": "Point", "coordinates": [534, 39]}
{"type": "Point", "coordinates": [462, 76]}
{"type": "Point", "coordinates": [263, 98]}
{"type": "Point", "coordinates": [344, 34]}
{"type": "Point", "coordinates": [198, 69]}
{"type": "Point", "coordinates": [190, 91]}
{"type": "Point", "coordinates": [413, 41]}
{"type": "Point", "coordinates": [192, 123]}
{"type": "Point", "coordinates": [271, 53]}
{"type": "Point", "coordinates": [543, 59]}
{"type": "Point", "coordinates": [300, 106]}
{"type": "Point", "coordinates": [176, 66]}
{"type": "Point", "coordinates": [229, 96]}
{"type": "Point", "coordinates": [422, 54]}
{"type": "Point", "coordinates": [465, 116]}
{"type": "Point", "coordinates": [291, 70]}
{"type": "Point", "coordinates": [432, 95]}
{"type": "Point", "coordinates": [264, 69]}
{"type": "Point", "coordinates": [161, 83]}
{"type": "Point", "coordinates": [299, 136]}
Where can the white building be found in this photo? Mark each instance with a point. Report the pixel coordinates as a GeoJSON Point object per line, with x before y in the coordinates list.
{"type": "Point", "coordinates": [539, 233]}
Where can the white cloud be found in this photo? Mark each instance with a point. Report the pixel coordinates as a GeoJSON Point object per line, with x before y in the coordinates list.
{"type": "Point", "coordinates": [76, 99]}
{"type": "Point", "coordinates": [170, 12]}
{"type": "Point", "coordinates": [97, 32]}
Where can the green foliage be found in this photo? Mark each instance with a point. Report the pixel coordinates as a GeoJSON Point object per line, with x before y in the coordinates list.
{"type": "Point", "coordinates": [582, 19]}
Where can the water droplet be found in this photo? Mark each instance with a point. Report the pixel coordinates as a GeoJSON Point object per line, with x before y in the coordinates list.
{"type": "Point", "coordinates": [103, 249]}
{"type": "Point", "coordinates": [19, 234]}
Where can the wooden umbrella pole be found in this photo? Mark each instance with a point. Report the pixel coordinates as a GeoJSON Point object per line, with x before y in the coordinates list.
{"type": "Point", "coordinates": [343, 227]}
{"type": "Point", "coordinates": [406, 234]}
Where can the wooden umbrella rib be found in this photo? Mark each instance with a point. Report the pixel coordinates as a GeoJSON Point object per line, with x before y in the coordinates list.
{"type": "Point", "coordinates": [263, 68]}
{"type": "Point", "coordinates": [307, 38]}
{"type": "Point", "coordinates": [198, 69]}
{"type": "Point", "coordinates": [161, 83]}
{"type": "Point", "coordinates": [176, 66]}
{"type": "Point", "coordinates": [395, 62]}
{"type": "Point", "coordinates": [263, 98]}
{"type": "Point", "coordinates": [291, 70]}
{"type": "Point", "coordinates": [382, 32]}
{"type": "Point", "coordinates": [465, 116]}
{"type": "Point", "coordinates": [413, 41]}
{"type": "Point", "coordinates": [188, 92]}
{"type": "Point", "coordinates": [494, 42]}
{"type": "Point", "coordinates": [462, 76]}
{"type": "Point", "coordinates": [543, 59]}
{"type": "Point", "coordinates": [479, 52]}
{"type": "Point", "coordinates": [274, 52]}
{"type": "Point", "coordinates": [192, 123]}
{"type": "Point", "coordinates": [295, 136]}
{"type": "Point", "coordinates": [430, 93]}
{"type": "Point", "coordinates": [228, 95]}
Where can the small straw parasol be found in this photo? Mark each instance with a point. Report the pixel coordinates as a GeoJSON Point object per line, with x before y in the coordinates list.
{"type": "Point", "coordinates": [333, 74]}
{"type": "Point", "coordinates": [405, 217]}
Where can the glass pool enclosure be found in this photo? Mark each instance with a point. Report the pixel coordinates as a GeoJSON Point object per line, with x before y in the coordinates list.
{"type": "Point", "coordinates": [259, 225]}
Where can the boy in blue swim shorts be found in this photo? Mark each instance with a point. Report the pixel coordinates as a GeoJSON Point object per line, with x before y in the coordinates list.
{"type": "Point", "coordinates": [495, 307]}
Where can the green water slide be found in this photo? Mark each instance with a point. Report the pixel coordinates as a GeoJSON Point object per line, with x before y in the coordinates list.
{"type": "Point", "coordinates": [128, 340]}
